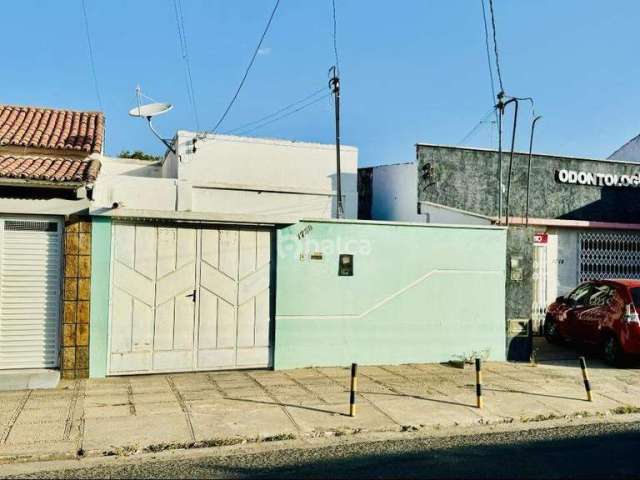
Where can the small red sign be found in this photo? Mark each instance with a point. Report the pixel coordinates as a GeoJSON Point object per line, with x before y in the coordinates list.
{"type": "Point", "coordinates": [540, 238]}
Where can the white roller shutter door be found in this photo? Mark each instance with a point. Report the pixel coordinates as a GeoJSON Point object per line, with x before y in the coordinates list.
{"type": "Point", "coordinates": [30, 268]}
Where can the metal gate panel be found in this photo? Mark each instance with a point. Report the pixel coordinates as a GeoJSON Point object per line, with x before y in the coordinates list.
{"type": "Point", "coordinates": [30, 291]}
{"type": "Point", "coordinates": [605, 254]}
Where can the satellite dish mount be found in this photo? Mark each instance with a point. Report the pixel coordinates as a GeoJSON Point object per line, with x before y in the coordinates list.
{"type": "Point", "coordinates": [149, 111]}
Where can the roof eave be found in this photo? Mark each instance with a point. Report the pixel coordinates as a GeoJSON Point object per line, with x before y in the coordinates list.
{"type": "Point", "coordinates": [27, 182]}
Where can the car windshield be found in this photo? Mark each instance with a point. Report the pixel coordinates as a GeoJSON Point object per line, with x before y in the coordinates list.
{"type": "Point", "coordinates": [635, 295]}
{"type": "Point", "coordinates": [578, 296]}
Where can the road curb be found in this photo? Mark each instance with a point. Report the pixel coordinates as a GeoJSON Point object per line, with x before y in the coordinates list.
{"type": "Point", "coordinates": [428, 431]}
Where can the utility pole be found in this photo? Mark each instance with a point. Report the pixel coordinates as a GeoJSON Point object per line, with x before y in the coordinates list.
{"type": "Point", "coordinates": [500, 107]}
{"type": "Point", "coordinates": [334, 84]}
{"type": "Point", "coordinates": [526, 208]}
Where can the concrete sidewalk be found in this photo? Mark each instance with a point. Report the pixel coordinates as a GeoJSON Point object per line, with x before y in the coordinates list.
{"type": "Point", "coordinates": [152, 413]}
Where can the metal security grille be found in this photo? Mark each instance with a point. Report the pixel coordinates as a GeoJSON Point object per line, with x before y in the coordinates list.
{"type": "Point", "coordinates": [608, 255]}
{"type": "Point", "coordinates": [30, 226]}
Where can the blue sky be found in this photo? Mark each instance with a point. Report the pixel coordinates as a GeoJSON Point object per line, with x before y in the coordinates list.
{"type": "Point", "coordinates": [412, 70]}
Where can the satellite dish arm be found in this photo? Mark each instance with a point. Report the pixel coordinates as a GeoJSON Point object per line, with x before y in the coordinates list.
{"type": "Point", "coordinates": [167, 144]}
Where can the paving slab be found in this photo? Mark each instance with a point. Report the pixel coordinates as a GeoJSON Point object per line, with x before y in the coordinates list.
{"type": "Point", "coordinates": [106, 433]}
{"type": "Point", "coordinates": [319, 418]}
{"type": "Point", "coordinates": [161, 408]}
{"type": "Point", "coordinates": [34, 433]}
{"type": "Point", "coordinates": [241, 419]}
{"type": "Point", "coordinates": [137, 411]}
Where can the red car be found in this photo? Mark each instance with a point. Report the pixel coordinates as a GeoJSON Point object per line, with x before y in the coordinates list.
{"type": "Point", "coordinates": [599, 312]}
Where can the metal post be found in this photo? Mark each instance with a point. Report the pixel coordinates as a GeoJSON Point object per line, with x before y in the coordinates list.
{"type": "Point", "coordinates": [354, 389]}
{"type": "Point", "coordinates": [334, 83]}
{"type": "Point", "coordinates": [500, 107]}
{"type": "Point", "coordinates": [526, 208]}
{"type": "Point", "coordinates": [585, 377]}
{"type": "Point", "coordinates": [513, 141]}
{"type": "Point", "coordinates": [478, 383]}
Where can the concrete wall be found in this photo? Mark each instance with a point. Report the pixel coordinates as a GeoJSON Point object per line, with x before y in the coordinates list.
{"type": "Point", "coordinates": [100, 292]}
{"type": "Point", "coordinates": [419, 293]}
{"type": "Point", "coordinates": [468, 179]}
{"type": "Point", "coordinates": [286, 207]}
{"type": "Point", "coordinates": [286, 168]}
{"type": "Point", "coordinates": [434, 213]}
{"type": "Point", "coordinates": [394, 193]}
{"type": "Point", "coordinates": [133, 184]}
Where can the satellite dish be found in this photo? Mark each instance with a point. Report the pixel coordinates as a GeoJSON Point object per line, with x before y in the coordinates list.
{"type": "Point", "coordinates": [150, 110]}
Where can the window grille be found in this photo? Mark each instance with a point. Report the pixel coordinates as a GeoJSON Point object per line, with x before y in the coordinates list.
{"type": "Point", "coordinates": [30, 226]}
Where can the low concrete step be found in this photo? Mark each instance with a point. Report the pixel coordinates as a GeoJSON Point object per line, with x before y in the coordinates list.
{"type": "Point", "coordinates": [29, 379]}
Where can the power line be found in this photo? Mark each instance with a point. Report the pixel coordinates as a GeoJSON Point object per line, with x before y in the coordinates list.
{"type": "Point", "coordinates": [335, 41]}
{"type": "Point", "coordinates": [306, 105]}
{"type": "Point", "coordinates": [184, 50]}
{"type": "Point", "coordinates": [486, 43]}
{"type": "Point", "coordinates": [495, 45]}
{"type": "Point", "coordinates": [476, 126]}
{"type": "Point", "coordinates": [273, 114]}
{"type": "Point", "coordinates": [253, 58]}
{"type": "Point", "coordinates": [91, 59]}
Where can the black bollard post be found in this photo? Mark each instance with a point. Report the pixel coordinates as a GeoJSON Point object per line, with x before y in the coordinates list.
{"type": "Point", "coordinates": [354, 389]}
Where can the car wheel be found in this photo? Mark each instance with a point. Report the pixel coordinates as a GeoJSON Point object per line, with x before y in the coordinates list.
{"type": "Point", "coordinates": [612, 352]}
{"type": "Point", "coordinates": [551, 332]}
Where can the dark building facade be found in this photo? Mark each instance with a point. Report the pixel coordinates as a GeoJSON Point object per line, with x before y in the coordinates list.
{"type": "Point", "coordinates": [584, 216]}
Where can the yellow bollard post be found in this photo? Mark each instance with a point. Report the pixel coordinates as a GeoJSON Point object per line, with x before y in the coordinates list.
{"type": "Point", "coordinates": [354, 389]}
{"type": "Point", "coordinates": [479, 382]}
{"type": "Point", "coordinates": [585, 377]}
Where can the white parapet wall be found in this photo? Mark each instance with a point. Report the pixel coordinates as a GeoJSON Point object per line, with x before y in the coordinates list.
{"type": "Point", "coordinates": [135, 184]}
{"type": "Point", "coordinates": [285, 179]}
{"type": "Point", "coordinates": [276, 181]}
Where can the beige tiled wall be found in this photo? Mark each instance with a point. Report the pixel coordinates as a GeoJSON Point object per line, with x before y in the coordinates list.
{"type": "Point", "coordinates": [76, 295]}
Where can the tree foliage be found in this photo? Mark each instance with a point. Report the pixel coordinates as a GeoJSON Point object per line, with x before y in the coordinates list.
{"type": "Point", "coordinates": [139, 155]}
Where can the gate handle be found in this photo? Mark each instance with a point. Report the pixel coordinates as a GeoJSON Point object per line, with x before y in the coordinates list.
{"type": "Point", "coordinates": [192, 295]}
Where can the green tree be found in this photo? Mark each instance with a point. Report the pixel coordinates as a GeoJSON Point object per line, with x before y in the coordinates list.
{"type": "Point", "coordinates": [139, 155]}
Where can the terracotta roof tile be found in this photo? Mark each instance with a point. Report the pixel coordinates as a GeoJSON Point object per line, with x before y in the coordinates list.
{"type": "Point", "coordinates": [52, 129]}
{"type": "Point", "coordinates": [49, 169]}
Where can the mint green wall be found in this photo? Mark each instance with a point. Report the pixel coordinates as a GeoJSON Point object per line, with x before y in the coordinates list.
{"type": "Point", "coordinates": [100, 272]}
{"type": "Point", "coordinates": [420, 293]}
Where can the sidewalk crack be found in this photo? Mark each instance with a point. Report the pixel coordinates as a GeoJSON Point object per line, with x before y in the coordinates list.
{"type": "Point", "coordinates": [183, 406]}
{"type": "Point", "coordinates": [14, 416]}
{"type": "Point", "coordinates": [275, 399]}
{"type": "Point", "coordinates": [305, 388]}
{"type": "Point", "coordinates": [72, 408]}
{"type": "Point", "coordinates": [132, 407]}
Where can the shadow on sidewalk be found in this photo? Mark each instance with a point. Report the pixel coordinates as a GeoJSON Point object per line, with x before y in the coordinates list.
{"type": "Point", "coordinates": [487, 389]}
{"type": "Point", "coordinates": [420, 397]}
{"type": "Point", "coordinates": [279, 404]}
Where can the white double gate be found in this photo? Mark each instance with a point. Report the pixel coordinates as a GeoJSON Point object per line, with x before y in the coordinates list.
{"type": "Point", "coordinates": [186, 298]}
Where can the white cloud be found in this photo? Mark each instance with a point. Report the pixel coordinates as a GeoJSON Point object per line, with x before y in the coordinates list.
{"type": "Point", "coordinates": [264, 51]}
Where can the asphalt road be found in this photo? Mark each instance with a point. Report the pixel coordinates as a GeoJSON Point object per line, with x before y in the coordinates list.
{"type": "Point", "coordinates": [588, 451]}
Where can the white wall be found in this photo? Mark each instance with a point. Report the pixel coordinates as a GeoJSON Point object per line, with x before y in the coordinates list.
{"type": "Point", "coordinates": [395, 193]}
{"type": "Point", "coordinates": [562, 262]}
{"type": "Point", "coordinates": [277, 181]}
{"type": "Point", "coordinates": [441, 214]}
{"type": "Point", "coordinates": [286, 207]}
{"type": "Point", "coordinates": [133, 184]}
{"type": "Point", "coordinates": [293, 174]}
